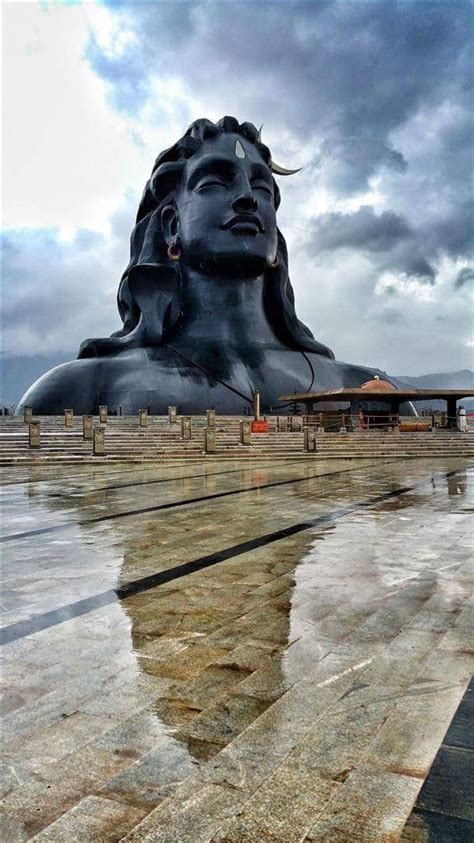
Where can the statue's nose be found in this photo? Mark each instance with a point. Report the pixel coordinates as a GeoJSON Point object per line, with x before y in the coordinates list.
{"type": "Point", "coordinates": [245, 203]}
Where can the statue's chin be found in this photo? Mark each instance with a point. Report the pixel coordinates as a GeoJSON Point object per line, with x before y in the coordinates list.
{"type": "Point", "coordinates": [230, 265]}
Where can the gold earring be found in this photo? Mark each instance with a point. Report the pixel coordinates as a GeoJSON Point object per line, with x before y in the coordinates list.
{"type": "Point", "coordinates": [174, 256]}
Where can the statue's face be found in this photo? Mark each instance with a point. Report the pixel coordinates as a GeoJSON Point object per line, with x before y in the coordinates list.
{"type": "Point", "coordinates": [226, 212]}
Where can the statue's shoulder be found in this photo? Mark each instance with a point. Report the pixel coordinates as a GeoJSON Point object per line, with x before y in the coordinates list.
{"type": "Point", "coordinates": [71, 384]}
{"type": "Point", "coordinates": [336, 374]}
{"type": "Point", "coordinates": [353, 376]}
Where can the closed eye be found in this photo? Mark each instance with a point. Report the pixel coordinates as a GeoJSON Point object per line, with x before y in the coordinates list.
{"type": "Point", "coordinates": [210, 183]}
{"type": "Point", "coordinates": [263, 187]}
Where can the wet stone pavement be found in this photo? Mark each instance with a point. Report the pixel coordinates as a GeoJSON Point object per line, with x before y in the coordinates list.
{"type": "Point", "coordinates": [229, 653]}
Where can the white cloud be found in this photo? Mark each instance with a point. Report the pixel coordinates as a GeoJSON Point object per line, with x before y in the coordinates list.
{"type": "Point", "coordinates": [68, 155]}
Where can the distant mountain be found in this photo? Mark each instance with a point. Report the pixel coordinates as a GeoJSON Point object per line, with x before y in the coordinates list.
{"type": "Point", "coordinates": [464, 379]}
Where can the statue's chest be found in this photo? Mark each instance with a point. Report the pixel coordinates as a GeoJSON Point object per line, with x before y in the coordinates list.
{"type": "Point", "coordinates": [283, 372]}
{"type": "Point", "coordinates": [228, 384]}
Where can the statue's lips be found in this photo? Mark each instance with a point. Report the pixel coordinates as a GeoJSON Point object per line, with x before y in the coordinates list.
{"type": "Point", "coordinates": [244, 224]}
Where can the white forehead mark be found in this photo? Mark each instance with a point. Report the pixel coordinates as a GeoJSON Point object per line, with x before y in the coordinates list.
{"type": "Point", "coordinates": [239, 150]}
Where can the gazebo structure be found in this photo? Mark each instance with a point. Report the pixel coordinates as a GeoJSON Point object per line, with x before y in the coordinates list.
{"type": "Point", "coordinates": [377, 402]}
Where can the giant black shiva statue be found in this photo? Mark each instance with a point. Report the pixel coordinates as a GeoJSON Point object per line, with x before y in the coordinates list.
{"type": "Point", "coordinates": [206, 301]}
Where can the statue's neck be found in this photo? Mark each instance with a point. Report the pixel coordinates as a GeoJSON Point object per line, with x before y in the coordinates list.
{"type": "Point", "coordinates": [225, 310]}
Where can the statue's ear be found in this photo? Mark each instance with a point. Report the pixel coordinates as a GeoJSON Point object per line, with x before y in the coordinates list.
{"type": "Point", "coordinates": [169, 223]}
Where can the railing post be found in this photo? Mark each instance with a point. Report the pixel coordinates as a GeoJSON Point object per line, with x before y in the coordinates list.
{"type": "Point", "coordinates": [103, 414]}
{"type": "Point", "coordinates": [210, 440]}
{"type": "Point", "coordinates": [87, 427]}
{"type": "Point", "coordinates": [185, 427]}
{"type": "Point", "coordinates": [211, 417]}
{"type": "Point", "coordinates": [172, 415]}
{"type": "Point", "coordinates": [98, 443]}
{"type": "Point", "coordinates": [256, 405]}
{"type": "Point", "coordinates": [245, 428]}
{"type": "Point", "coordinates": [27, 414]}
{"type": "Point", "coordinates": [68, 418]}
{"type": "Point", "coordinates": [309, 439]}
{"type": "Point", "coordinates": [34, 434]}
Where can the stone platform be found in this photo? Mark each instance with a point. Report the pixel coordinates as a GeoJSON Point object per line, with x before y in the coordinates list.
{"type": "Point", "coordinates": [211, 651]}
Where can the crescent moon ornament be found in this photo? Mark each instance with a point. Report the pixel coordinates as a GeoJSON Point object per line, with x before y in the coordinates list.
{"type": "Point", "coordinates": [281, 171]}
{"type": "Point", "coordinates": [275, 168]}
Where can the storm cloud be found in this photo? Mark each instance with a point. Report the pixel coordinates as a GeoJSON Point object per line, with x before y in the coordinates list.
{"type": "Point", "coordinates": [346, 75]}
{"type": "Point", "coordinates": [388, 238]}
{"type": "Point", "coordinates": [59, 290]}
{"type": "Point", "coordinates": [361, 230]}
{"type": "Point", "coordinates": [465, 276]}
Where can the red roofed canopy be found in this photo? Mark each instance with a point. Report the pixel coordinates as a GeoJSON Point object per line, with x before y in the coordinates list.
{"type": "Point", "coordinates": [377, 385]}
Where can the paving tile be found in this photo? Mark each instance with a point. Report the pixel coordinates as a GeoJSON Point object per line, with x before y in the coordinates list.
{"type": "Point", "coordinates": [298, 659]}
{"type": "Point", "coordinates": [408, 741]}
{"type": "Point", "coordinates": [220, 723]}
{"type": "Point", "coordinates": [191, 661]}
{"type": "Point", "coordinates": [243, 764]}
{"type": "Point", "coordinates": [201, 813]}
{"type": "Point", "coordinates": [393, 667]}
{"type": "Point", "coordinates": [93, 819]}
{"type": "Point", "coordinates": [249, 656]}
{"type": "Point", "coordinates": [370, 806]}
{"type": "Point", "coordinates": [134, 736]}
{"type": "Point", "coordinates": [11, 830]}
{"type": "Point", "coordinates": [448, 667]}
{"type": "Point", "coordinates": [174, 711]}
{"type": "Point", "coordinates": [62, 738]}
{"type": "Point", "coordinates": [213, 682]}
{"type": "Point", "coordinates": [153, 777]}
{"type": "Point", "coordinates": [338, 743]}
{"type": "Point", "coordinates": [282, 809]}
{"type": "Point", "coordinates": [59, 787]}
{"type": "Point", "coordinates": [266, 683]}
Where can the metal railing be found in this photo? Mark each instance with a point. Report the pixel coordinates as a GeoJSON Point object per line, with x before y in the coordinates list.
{"type": "Point", "coordinates": [349, 422]}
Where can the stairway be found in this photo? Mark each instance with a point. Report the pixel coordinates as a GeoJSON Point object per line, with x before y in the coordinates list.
{"type": "Point", "coordinates": [161, 441]}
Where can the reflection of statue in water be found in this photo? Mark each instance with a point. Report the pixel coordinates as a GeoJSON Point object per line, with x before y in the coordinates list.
{"type": "Point", "coordinates": [206, 302]}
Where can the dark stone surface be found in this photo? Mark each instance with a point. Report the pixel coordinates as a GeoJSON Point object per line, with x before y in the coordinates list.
{"type": "Point", "coordinates": [206, 301]}
{"type": "Point", "coordinates": [443, 811]}
{"type": "Point", "coordinates": [449, 786]}
{"type": "Point", "coordinates": [426, 827]}
{"type": "Point", "coordinates": [461, 730]}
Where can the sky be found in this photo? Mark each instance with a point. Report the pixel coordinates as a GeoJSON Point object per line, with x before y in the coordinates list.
{"type": "Point", "coordinates": [373, 98]}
